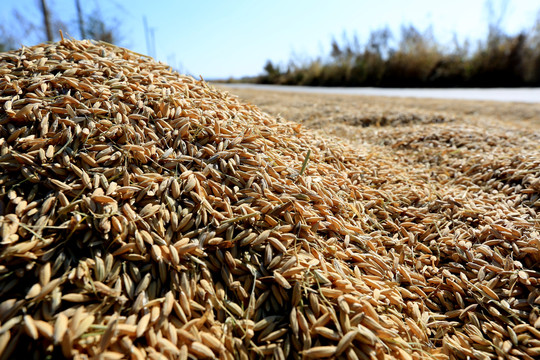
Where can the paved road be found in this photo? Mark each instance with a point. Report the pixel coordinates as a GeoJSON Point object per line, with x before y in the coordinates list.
{"type": "Point", "coordinates": [530, 95]}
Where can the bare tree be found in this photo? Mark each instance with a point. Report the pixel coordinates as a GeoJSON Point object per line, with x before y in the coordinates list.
{"type": "Point", "coordinates": [31, 30]}
{"type": "Point", "coordinates": [46, 20]}
{"type": "Point", "coordinates": [80, 19]}
{"type": "Point", "coordinates": [495, 20]}
{"type": "Point", "coordinates": [96, 28]}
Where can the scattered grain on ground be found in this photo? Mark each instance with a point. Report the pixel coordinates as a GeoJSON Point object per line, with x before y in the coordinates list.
{"type": "Point", "coordinates": [148, 214]}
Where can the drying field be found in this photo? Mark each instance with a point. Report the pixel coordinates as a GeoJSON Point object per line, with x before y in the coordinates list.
{"type": "Point", "coordinates": [463, 164]}
{"type": "Point", "coordinates": [148, 215]}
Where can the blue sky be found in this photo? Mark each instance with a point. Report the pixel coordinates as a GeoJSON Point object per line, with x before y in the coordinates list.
{"type": "Point", "coordinates": [218, 39]}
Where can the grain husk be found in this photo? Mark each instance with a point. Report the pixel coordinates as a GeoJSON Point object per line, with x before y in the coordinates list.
{"type": "Point", "coordinates": [183, 222]}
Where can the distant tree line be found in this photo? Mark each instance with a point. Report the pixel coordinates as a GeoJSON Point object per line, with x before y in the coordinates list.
{"type": "Point", "coordinates": [416, 59]}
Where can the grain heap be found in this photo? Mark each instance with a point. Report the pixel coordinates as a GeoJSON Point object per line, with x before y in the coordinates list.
{"type": "Point", "coordinates": [146, 213]}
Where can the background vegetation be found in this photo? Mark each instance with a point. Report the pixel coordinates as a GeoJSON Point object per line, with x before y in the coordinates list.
{"type": "Point", "coordinates": [411, 58]}
{"type": "Point", "coordinates": [88, 25]}
{"type": "Point", "coordinates": [416, 59]}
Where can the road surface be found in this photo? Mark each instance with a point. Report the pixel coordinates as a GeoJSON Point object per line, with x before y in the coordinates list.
{"type": "Point", "coordinates": [529, 95]}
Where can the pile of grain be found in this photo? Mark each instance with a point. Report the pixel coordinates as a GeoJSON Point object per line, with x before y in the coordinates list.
{"type": "Point", "coordinates": [482, 171]}
{"type": "Point", "coordinates": [146, 213]}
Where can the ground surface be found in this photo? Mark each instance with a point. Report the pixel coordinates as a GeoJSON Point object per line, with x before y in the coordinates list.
{"type": "Point", "coordinates": [468, 169]}
{"type": "Point", "coordinates": [357, 117]}
{"type": "Point", "coordinates": [529, 95]}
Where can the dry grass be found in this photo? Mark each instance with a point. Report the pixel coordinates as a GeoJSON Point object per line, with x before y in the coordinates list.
{"type": "Point", "coordinates": [416, 59]}
{"type": "Point", "coordinates": [150, 215]}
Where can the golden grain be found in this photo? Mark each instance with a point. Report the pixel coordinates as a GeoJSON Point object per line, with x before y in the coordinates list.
{"type": "Point", "coordinates": [60, 327]}
{"type": "Point", "coordinates": [148, 213]}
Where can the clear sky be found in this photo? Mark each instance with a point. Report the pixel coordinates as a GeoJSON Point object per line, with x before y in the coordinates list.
{"type": "Point", "coordinates": [223, 38]}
